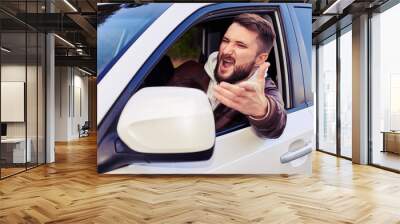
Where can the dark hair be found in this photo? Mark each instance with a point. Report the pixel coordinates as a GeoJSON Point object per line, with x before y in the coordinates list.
{"type": "Point", "coordinates": [256, 23]}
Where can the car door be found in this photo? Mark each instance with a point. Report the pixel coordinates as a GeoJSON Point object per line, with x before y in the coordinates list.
{"type": "Point", "coordinates": [237, 150]}
{"type": "Point", "coordinates": [241, 150]}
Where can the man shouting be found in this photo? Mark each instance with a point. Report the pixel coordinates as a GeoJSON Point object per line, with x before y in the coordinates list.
{"type": "Point", "coordinates": [235, 78]}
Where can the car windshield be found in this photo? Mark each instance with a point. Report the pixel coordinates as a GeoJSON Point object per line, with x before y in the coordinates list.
{"type": "Point", "coordinates": [121, 24]}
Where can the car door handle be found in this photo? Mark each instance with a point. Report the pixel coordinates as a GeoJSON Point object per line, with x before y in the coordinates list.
{"type": "Point", "coordinates": [290, 156]}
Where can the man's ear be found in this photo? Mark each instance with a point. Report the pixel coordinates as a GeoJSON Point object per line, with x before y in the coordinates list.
{"type": "Point", "coordinates": [261, 58]}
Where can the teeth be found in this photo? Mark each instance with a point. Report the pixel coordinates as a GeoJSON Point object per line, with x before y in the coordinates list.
{"type": "Point", "coordinates": [227, 61]}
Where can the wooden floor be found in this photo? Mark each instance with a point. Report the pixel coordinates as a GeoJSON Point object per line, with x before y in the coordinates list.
{"type": "Point", "coordinates": [387, 159]}
{"type": "Point", "coordinates": [70, 191]}
{"type": "Point", "coordinates": [10, 171]}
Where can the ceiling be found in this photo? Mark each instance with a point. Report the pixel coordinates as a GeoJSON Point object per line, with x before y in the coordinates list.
{"type": "Point", "coordinates": [74, 21]}
{"type": "Point", "coordinates": [331, 15]}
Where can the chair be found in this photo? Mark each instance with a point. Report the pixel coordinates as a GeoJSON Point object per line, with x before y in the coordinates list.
{"type": "Point", "coordinates": [84, 130]}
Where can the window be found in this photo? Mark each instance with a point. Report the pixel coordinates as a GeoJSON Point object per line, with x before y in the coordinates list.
{"type": "Point", "coordinates": [197, 44]}
{"type": "Point", "coordinates": [346, 92]}
{"type": "Point", "coordinates": [385, 89]}
{"type": "Point", "coordinates": [22, 76]}
{"type": "Point", "coordinates": [126, 25]}
{"type": "Point", "coordinates": [334, 77]}
{"type": "Point", "coordinates": [304, 18]}
{"type": "Point", "coordinates": [188, 47]}
{"type": "Point", "coordinates": [327, 95]}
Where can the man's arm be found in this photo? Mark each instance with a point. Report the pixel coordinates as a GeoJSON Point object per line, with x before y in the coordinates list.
{"type": "Point", "coordinates": [260, 100]}
{"type": "Point", "coordinates": [274, 121]}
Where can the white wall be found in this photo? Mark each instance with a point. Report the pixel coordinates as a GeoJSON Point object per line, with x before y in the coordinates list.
{"type": "Point", "coordinates": [81, 102]}
{"type": "Point", "coordinates": [61, 103]}
{"type": "Point", "coordinates": [16, 72]}
{"type": "Point", "coordinates": [71, 102]}
{"type": "Point", "coordinates": [33, 126]}
{"type": "Point", "coordinates": [10, 73]}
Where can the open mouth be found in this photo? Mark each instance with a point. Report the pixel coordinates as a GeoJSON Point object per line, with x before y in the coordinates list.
{"type": "Point", "coordinates": [227, 62]}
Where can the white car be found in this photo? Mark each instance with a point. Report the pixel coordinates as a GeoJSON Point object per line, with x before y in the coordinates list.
{"type": "Point", "coordinates": [147, 128]}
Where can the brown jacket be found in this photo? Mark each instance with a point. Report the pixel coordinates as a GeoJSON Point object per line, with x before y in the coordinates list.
{"type": "Point", "coordinates": [192, 74]}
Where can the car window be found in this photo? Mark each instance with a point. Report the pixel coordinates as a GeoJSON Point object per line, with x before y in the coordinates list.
{"type": "Point", "coordinates": [120, 25]}
{"type": "Point", "coordinates": [195, 45]}
{"type": "Point", "coordinates": [304, 17]}
{"type": "Point", "coordinates": [188, 47]}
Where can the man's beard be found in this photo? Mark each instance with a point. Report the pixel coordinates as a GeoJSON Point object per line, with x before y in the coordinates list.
{"type": "Point", "coordinates": [239, 72]}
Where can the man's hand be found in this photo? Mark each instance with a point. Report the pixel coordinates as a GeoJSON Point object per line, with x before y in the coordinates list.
{"type": "Point", "coordinates": [246, 97]}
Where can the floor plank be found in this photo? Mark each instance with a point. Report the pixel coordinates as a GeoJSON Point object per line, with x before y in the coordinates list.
{"type": "Point", "coordinates": [71, 191]}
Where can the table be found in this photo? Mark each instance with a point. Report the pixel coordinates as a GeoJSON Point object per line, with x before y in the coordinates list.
{"type": "Point", "coordinates": [391, 141]}
{"type": "Point", "coordinates": [16, 147]}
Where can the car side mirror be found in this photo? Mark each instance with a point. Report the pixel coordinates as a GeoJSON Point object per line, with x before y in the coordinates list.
{"type": "Point", "coordinates": [168, 120]}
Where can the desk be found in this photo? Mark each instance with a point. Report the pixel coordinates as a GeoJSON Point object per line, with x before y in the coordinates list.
{"type": "Point", "coordinates": [16, 147]}
{"type": "Point", "coordinates": [391, 141]}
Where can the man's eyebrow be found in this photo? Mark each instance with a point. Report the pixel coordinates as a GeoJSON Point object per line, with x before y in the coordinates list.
{"type": "Point", "coordinates": [238, 41]}
{"type": "Point", "coordinates": [241, 42]}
